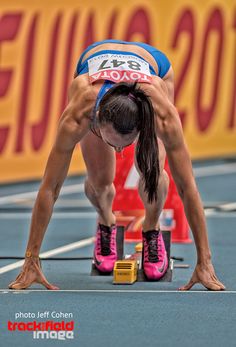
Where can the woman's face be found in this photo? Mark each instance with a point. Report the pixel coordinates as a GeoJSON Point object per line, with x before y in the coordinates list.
{"type": "Point", "coordinates": [116, 140]}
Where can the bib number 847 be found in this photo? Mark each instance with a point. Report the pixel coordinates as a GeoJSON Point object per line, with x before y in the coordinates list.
{"type": "Point", "coordinates": [107, 64]}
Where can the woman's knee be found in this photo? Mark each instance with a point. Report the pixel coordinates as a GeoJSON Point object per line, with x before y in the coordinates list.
{"type": "Point", "coordinates": [99, 188]}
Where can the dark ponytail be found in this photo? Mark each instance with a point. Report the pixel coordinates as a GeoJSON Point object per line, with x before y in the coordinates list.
{"type": "Point", "coordinates": [127, 107]}
{"type": "Point", "coordinates": [147, 151]}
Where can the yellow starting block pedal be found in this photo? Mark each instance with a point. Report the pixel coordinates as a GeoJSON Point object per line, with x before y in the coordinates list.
{"type": "Point", "coordinates": [125, 271]}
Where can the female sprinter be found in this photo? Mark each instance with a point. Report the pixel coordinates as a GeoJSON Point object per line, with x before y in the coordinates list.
{"type": "Point", "coordinates": [123, 92]}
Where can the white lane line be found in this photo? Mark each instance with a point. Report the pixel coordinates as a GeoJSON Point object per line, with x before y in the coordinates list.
{"type": "Point", "coordinates": [7, 291]}
{"type": "Point", "coordinates": [73, 203]}
{"type": "Point", "coordinates": [75, 188]}
{"type": "Point", "coordinates": [55, 251]}
{"type": "Point", "coordinates": [56, 215]}
{"type": "Point", "coordinates": [62, 203]}
{"type": "Point", "coordinates": [215, 170]}
{"type": "Point", "coordinates": [219, 214]}
{"type": "Point", "coordinates": [228, 207]}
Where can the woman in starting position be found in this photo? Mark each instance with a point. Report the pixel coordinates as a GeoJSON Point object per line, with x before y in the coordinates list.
{"type": "Point", "coordinates": [123, 92]}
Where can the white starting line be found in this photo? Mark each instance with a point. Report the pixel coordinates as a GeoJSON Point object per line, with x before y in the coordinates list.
{"type": "Point", "coordinates": [117, 291]}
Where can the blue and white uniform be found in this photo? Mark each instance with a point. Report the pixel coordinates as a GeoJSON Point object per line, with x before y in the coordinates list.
{"type": "Point", "coordinates": [162, 61]}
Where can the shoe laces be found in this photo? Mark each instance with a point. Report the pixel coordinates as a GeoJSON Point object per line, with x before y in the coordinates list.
{"type": "Point", "coordinates": [154, 246]}
{"type": "Point", "coordinates": [105, 241]}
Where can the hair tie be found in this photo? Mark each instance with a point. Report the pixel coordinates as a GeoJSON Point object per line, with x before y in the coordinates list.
{"type": "Point", "coordinates": [131, 97]}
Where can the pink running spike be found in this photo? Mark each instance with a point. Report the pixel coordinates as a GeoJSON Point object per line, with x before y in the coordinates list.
{"type": "Point", "coordinates": [105, 253]}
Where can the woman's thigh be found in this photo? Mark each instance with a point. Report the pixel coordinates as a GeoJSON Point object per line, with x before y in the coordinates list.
{"type": "Point", "coordinates": [161, 157]}
{"type": "Point", "coordinates": [99, 159]}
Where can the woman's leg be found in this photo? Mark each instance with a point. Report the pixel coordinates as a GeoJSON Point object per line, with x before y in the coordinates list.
{"type": "Point", "coordinates": [153, 210]}
{"type": "Point", "coordinates": [155, 261]}
{"type": "Point", "coordinates": [100, 162]}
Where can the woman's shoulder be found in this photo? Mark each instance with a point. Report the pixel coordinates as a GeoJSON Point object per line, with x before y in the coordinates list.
{"type": "Point", "coordinates": [152, 88]}
{"type": "Point", "coordinates": [83, 89]}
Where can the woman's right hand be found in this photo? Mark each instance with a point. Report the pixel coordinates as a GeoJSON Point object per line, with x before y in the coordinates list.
{"type": "Point", "coordinates": [31, 273]}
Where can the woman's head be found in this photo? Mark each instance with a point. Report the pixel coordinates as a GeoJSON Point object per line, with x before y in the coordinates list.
{"type": "Point", "coordinates": [116, 140]}
{"type": "Point", "coordinates": [125, 112]}
{"type": "Point", "coordinates": [120, 100]}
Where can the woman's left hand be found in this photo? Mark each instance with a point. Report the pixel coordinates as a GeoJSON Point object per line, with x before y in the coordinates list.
{"type": "Point", "coordinates": [204, 274]}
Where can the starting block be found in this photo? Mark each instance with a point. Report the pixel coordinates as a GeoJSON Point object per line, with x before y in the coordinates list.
{"type": "Point", "coordinates": [129, 270]}
{"type": "Point", "coordinates": [125, 271]}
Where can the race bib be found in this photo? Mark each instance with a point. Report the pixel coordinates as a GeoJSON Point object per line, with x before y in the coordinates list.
{"type": "Point", "coordinates": [118, 68]}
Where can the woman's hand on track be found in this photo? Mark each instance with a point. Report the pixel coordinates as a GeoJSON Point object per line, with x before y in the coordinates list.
{"type": "Point", "coordinates": [204, 274]}
{"type": "Point", "coordinates": [31, 273]}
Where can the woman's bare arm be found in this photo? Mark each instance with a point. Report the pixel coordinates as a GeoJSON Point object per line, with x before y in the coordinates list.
{"type": "Point", "coordinates": [169, 130]}
{"type": "Point", "coordinates": [73, 125]}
